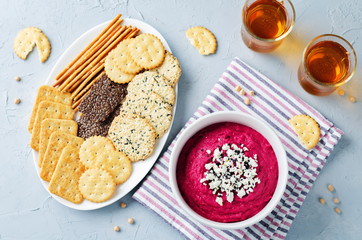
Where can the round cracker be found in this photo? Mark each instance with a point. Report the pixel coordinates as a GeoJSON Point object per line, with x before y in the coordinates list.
{"type": "Point", "coordinates": [97, 185]}
{"type": "Point", "coordinates": [99, 152]}
{"type": "Point", "coordinates": [170, 69]}
{"type": "Point", "coordinates": [122, 58]}
{"type": "Point", "coordinates": [151, 107]}
{"type": "Point", "coordinates": [150, 81]}
{"type": "Point", "coordinates": [94, 147]}
{"type": "Point", "coordinates": [202, 39]}
{"type": "Point", "coordinates": [147, 51]}
{"type": "Point", "coordinates": [24, 42]}
{"type": "Point", "coordinates": [307, 129]}
{"type": "Point", "coordinates": [42, 44]}
{"type": "Point", "coordinates": [133, 136]}
{"type": "Point", "coordinates": [27, 38]}
{"type": "Point", "coordinates": [113, 72]}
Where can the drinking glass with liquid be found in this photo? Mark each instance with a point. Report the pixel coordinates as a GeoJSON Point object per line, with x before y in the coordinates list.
{"type": "Point", "coordinates": [266, 23]}
{"type": "Point", "coordinates": [328, 62]}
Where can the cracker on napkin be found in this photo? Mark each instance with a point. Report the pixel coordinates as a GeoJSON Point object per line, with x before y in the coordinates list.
{"type": "Point", "coordinates": [307, 130]}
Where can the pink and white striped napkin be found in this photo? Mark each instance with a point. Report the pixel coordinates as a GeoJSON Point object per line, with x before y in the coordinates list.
{"type": "Point", "coordinates": [276, 106]}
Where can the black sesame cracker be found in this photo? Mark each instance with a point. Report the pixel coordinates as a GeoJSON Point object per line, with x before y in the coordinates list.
{"type": "Point", "coordinates": [102, 99]}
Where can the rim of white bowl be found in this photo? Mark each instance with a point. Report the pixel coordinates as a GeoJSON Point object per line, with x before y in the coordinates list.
{"type": "Point", "coordinates": [250, 121]}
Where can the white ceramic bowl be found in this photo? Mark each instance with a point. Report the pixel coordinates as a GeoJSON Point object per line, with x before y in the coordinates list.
{"type": "Point", "coordinates": [247, 120]}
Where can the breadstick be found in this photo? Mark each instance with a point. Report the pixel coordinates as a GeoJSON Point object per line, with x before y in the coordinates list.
{"type": "Point", "coordinates": [89, 75]}
{"type": "Point", "coordinates": [103, 51]}
{"type": "Point", "coordinates": [80, 84]}
{"type": "Point", "coordinates": [108, 31]}
{"type": "Point", "coordinates": [76, 104]}
{"type": "Point", "coordinates": [85, 61]}
{"type": "Point", "coordinates": [112, 24]}
{"type": "Point", "coordinates": [75, 94]}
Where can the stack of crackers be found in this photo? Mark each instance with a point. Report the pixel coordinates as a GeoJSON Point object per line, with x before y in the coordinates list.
{"type": "Point", "coordinates": [122, 113]}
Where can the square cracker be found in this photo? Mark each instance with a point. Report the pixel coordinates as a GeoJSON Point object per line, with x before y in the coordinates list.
{"type": "Point", "coordinates": [51, 94]}
{"type": "Point", "coordinates": [65, 180]}
{"type": "Point", "coordinates": [48, 109]}
{"type": "Point", "coordinates": [48, 126]}
{"type": "Point", "coordinates": [58, 141]}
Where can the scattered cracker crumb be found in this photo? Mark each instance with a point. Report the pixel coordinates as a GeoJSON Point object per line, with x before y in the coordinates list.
{"type": "Point", "coordinates": [322, 201]}
{"type": "Point", "coordinates": [337, 210]}
{"type": "Point", "coordinates": [237, 88]}
{"type": "Point", "coordinates": [130, 220]}
{"type": "Point", "coordinates": [17, 78]}
{"type": "Point", "coordinates": [341, 92]}
{"type": "Point", "coordinates": [330, 188]}
{"type": "Point", "coordinates": [352, 99]}
{"type": "Point", "coordinates": [17, 100]}
{"type": "Point", "coordinates": [116, 228]}
{"type": "Point", "coordinates": [251, 93]}
{"type": "Point", "coordinates": [242, 92]}
{"type": "Point", "coordinates": [123, 205]}
{"type": "Point", "coordinates": [247, 101]}
{"type": "Point", "coordinates": [336, 200]}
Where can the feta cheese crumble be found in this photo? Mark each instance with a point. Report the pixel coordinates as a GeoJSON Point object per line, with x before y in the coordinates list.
{"type": "Point", "coordinates": [230, 172]}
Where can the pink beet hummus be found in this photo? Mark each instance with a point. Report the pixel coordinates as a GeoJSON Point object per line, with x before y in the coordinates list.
{"type": "Point", "coordinates": [191, 168]}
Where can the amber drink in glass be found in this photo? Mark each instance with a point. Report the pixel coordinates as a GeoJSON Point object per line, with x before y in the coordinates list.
{"type": "Point", "coordinates": [328, 62]}
{"type": "Point", "coordinates": [266, 23]}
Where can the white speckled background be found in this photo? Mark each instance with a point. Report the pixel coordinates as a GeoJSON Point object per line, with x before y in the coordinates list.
{"type": "Point", "coordinates": [27, 211]}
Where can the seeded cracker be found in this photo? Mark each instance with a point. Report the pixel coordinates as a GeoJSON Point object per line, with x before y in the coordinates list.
{"type": "Point", "coordinates": [99, 152]}
{"type": "Point", "coordinates": [170, 69]}
{"type": "Point", "coordinates": [48, 126]}
{"type": "Point", "coordinates": [148, 82]}
{"type": "Point", "coordinates": [123, 58]}
{"type": "Point", "coordinates": [147, 51]}
{"type": "Point", "coordinates": [133, 136]}
{"type": "Point", "coordinates": [202, 39]}
{"type": "Point", "coordinates": [102, 99]}
{"type": "Point", "coordinates": [58, 141]}
{"type": "Point", "coordinates": [97, 185]}
{"type": "Point", "coordinates": [65, 180]}
{"type": "Point", "coordinates": [87, 127]}
{"type": "Point", "coordinates": [113, 72]}
{"type": "Point", "coordinates": [152, 108]}
{"type": "Point", "coordinates": [51, 94]}
{"type": "Point", "coordinates": [48, 109]}
{"type": "Point", "coordinates": [307, 130]}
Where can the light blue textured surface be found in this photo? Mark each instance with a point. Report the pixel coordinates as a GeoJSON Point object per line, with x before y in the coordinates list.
{"type": "Point", "coordinates": [26, 209]}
